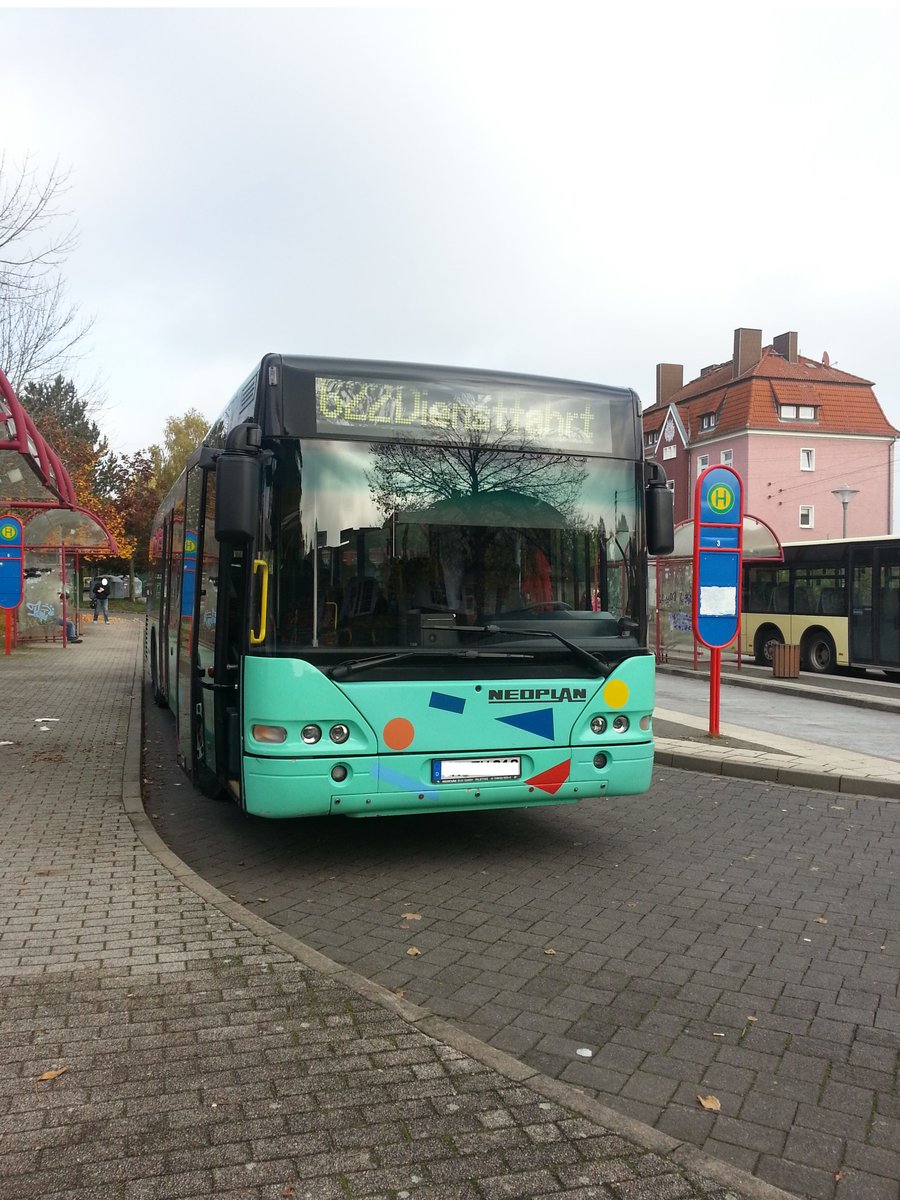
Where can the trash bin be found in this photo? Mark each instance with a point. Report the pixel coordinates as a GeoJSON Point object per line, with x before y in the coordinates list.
{"type": "Point", "coordinates": [786, 661]}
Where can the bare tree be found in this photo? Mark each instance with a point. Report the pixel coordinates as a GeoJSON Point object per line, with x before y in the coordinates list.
{"type": "Point", "coordinates": [40, 329]}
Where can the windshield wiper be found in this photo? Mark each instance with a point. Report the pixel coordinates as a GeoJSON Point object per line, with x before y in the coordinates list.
{"type": "Point", "coordinates": [596, 663]}
{"type": "Point", "coordinates": [343, 669]}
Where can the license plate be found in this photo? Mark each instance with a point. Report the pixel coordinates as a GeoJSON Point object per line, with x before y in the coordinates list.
{"type": "Point", "coordinates": [469, 770]}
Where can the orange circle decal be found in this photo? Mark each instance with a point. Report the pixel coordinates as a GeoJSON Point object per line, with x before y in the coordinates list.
{"type": "Point", "coordinates": [398, 733]}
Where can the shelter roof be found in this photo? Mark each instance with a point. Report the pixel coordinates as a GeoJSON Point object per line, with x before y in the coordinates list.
{"type": "Point", "coordinates": [33, 478]}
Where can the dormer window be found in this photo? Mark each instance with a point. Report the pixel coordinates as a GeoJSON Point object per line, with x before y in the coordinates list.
{"type": "Point", "coordinates": [708, 421]}
{"type": "Point", "coordinates": [795, 412]}
{"type": "Point", "coordinates": [650, 439]}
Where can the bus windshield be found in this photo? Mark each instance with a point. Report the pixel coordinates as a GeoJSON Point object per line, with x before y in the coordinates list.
{"type": "Point", "coordinates": [399, 545]}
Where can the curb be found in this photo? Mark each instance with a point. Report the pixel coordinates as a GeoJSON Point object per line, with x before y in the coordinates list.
{"type": "Point", "coordinates": [881, 789]}
{"type": "Point", "coordinates": [852, 699]}
{"type": "Point", "coordinates": [645, 1137]}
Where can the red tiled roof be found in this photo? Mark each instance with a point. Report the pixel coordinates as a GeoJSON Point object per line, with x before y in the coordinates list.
{"type": "Point", "coordinates": [844, 403]}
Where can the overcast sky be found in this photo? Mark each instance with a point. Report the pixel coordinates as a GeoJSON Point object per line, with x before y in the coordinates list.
{"type": "Point", "coordinates": [558, 189]}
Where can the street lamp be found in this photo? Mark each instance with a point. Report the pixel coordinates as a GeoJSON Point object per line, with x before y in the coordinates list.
{"type": "Point", "coordinates": [845, 494]}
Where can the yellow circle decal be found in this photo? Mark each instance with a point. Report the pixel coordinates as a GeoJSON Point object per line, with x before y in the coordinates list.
{"type": "Point", "coordinates": [721, 498]}
{"type": "Point", "coordinates": [616, 693]}
{"type": "Point", "coordinates": [8, 532]}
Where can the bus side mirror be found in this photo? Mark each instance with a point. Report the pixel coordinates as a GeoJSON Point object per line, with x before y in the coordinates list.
{"type": "Point", "coordinates": [660, 509]}
{"type": "Point", "coordinates": [237, 497]}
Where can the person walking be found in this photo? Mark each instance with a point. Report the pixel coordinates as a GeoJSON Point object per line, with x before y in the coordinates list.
{"type": "Point", "coordinates": [100, 592]}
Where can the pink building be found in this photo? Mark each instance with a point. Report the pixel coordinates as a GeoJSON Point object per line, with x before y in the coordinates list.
{"type": "Point", "coordinates": [794, 429]}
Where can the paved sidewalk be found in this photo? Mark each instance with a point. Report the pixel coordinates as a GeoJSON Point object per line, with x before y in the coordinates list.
{"type": "Point", "coordinates": [161, 1041]}
{"type": "Point", "coordinates": [684, 741]}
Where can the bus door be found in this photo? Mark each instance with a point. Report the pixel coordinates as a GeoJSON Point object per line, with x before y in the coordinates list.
{"type": "Point", "coordinates": [888, 607]}
{"type": "Point", "coordinates": [222, 621]}
{"type": "Point", "coordinates": [861, 611]}
{"type": "Point", "coordinates": [186, 658]}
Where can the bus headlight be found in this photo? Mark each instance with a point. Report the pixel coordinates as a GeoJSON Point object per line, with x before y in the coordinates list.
{"type": "Point", "coordinates": [339, 733]}
{"type": "Point", "coordinates": [310, 734]}
{"type": "Point", "coordinates": [620, 723]}
{"type": "Point", "coordinates": [598, 724]}
{"type": "Point", "coordinates": [273, 734]}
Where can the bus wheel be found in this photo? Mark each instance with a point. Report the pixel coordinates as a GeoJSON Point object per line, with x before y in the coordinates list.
{"type": "Point", "coordinates": [767, 638]}
{"type": "Point", "coordinates": [158, 698]}
{"type": "Point", "coordinates": [818, 653]}
{"type": "Point", "coordinates": [204, 779]}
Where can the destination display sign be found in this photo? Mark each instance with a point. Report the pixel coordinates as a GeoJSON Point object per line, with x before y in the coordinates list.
{"type": "Point", "coordinates": [377, 408]}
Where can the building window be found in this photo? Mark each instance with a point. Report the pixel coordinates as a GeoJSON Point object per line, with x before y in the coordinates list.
{"type": "Point", "coordinates": [807, 459]}
{"type": "Point", "coordinates": [727, 458]}
{"type": "Point", "coordinates": [650, 438]}
{"type": "Point", "coordinates": [669, 451]}
{"type": "Point", "coordinates": [791, 412]}
{"type": "Point", "coordinates": [702, 463]}
{"type": "Point", "coordinates": [807, 515]}
{"type": "Point", "coordinates": [708, 421]}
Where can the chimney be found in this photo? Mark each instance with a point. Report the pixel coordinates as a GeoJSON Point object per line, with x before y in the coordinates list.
{"type": "Point", "coordinates": [669, 380]}
{"type": "Point", "coordinates": [747, 350]}
{"type": "Point", "coordinates": [786, 345]}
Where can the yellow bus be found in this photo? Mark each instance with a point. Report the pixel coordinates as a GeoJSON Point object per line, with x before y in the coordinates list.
{"type": "Point", "coordinates": [839, 601]}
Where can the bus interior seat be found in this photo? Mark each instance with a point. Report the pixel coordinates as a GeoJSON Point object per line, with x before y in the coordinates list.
{"type": "Point", "coordinates": [831, 602]}
{"type": "Point", "coordinates": [778, 601]}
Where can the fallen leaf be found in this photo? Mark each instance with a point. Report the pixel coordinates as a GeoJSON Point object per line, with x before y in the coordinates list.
{"type": "Point", "coordinates": [821, 920]}
{"type": "Point", "coordinates": [549, 950]}
{"type": "Point", "coordinates": [752, 1019]}
{"type": "Point", "coordinates": [838, 1176]}
{"type": "Point", "coordinates": [410, 916]}
{"type": "Point", "coordinates": [713, 1103]}
{"type": "Point", "coordinates": [52, 1074]}
{"type": "Point", "coordinates": [414, 952]}
{"type": "Point", "coordinates": [262, 899]}
{"type": "Point", "coordinates": [399, 992]}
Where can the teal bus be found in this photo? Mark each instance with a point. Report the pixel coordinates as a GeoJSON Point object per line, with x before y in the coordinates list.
{"type": "Point", "coordinates": [381, 588]}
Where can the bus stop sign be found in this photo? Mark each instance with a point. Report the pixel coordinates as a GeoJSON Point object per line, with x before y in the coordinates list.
{"type": "Point", "coordinates": [12, 562]}
{"type": "Point", "coordinates": [718, 544]}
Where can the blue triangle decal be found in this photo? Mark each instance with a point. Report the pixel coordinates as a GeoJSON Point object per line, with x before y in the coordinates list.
{"type": "Point", "coordinates": [539, 721]}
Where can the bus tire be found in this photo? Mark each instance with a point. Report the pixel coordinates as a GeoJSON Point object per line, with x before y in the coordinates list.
{"type": "Point", "coordinates": [817, 652]}
{"type": "Point", "coordinates": [205, 780]}
{"type": "Point", "coordinates": [767, 637]}
{"type": "Point", "coordinates": [158, 698]}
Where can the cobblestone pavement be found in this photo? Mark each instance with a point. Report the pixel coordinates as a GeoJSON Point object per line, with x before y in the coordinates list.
{"type": "Point", "coordinates": [162, 1043]}
{"type": "Point", "coordinates": [718, 937]}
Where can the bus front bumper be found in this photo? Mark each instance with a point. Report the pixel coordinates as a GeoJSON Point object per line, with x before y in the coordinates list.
{"type": "Point", "coordinates": [399, 784]}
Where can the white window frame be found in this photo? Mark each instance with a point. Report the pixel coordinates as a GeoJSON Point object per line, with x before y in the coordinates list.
{"type": "Point", "coordinates": [808, 511]}
{"type": "Point", "coordinates": [807, 458]}
{"type": "Point", "coordinates": [669, 452]}
{"type": "Point", "coordinates": [727, 458]}
{"type": "Point", "coordinates": [702, 463]}
{"type": "Point", "coordinates": [787, 412]}
{"type": "Point", "coordinates": [708, 421]}
{"type": "Point", "coordinates": [806, 412]}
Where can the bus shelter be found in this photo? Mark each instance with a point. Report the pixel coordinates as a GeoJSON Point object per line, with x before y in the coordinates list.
{"type": "Point", "coordinates": [35, 487]}
{"type": "Point", "coordinates": [672, 588]}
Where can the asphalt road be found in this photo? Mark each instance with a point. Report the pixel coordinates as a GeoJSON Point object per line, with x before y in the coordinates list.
{"type": "Point", "coordinates": [850, 726]}
{"type": "Point", "coordinates": [715, 937]}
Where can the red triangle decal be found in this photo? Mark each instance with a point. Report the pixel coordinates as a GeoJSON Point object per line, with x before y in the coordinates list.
{"type": "Point", "coordinates": [553, 779]}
